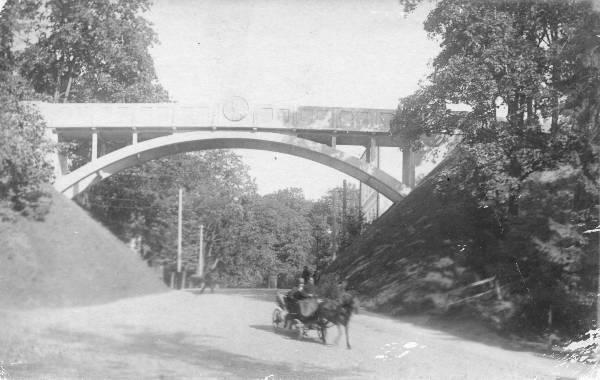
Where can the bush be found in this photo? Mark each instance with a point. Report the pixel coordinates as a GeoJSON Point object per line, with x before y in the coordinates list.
{"type": "Point", "coordinates": [23, 152]}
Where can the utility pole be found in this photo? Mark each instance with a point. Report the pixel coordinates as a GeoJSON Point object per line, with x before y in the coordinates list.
{"type": "Point", "coordinates": [200, 268]}
{"type": "Point", "coordinates": [179, 230]}
{"type": "Point", "coordinates": [334, 226]}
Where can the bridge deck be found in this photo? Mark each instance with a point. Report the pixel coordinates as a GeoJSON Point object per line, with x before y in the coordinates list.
{"type": "Point", "coordinates": [351, 126]}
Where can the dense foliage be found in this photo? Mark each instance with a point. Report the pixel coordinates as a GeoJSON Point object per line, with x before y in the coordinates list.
{"type": "Point", "coordinates": [23, 147]}
{"type": "Point", "coordinates": [336, 222]}
{"type": "Point", "coordinates": [23, 152]}
{"type": "Point", "coordinates": [534, 171]}
{"type": "Point", "coordinates": [66, 51]}
{"type": "Point", "coordinates": [248, 236]}
{"type": "Point", "coordinates": [90, 51]}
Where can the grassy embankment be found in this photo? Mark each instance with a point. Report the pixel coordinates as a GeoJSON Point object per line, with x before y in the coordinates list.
{"type": "Point", "coordinates": [67, 259]}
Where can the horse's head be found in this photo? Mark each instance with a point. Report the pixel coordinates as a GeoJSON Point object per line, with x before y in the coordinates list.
{"type": "Point", "coordinates": [350, 302]}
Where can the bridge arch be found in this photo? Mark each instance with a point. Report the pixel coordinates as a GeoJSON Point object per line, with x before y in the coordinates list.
{"type": "Point", "coordinates": [79, 180]}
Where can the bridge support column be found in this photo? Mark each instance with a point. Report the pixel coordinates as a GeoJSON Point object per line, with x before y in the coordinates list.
{"type": "Point", "coordinates": [408, 167]}
{"type": "Point", "coordinates": [372, 157]}
{"type": "Point", "coordinates": [134, 136]}
{"type": "Point", "coordinates": [333, 141]}
{"type": "Point", "coordinates": [94, 144]}
{"type": "Point", "coordinates": [373, 152]}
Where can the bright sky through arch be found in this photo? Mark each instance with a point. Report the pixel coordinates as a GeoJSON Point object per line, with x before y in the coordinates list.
{"type": "Point", "coordinates": [346, 53]}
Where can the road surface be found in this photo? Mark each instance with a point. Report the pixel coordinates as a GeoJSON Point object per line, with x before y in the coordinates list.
{"type": "Point", "coordinates": [179, 335]}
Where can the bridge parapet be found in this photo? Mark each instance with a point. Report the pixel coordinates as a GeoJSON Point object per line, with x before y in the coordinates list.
{"type": "Point", "coordinates": [228, 115]}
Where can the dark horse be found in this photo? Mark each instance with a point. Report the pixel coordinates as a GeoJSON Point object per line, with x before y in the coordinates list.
{"type": "Point", "coordinates": [339, 313]}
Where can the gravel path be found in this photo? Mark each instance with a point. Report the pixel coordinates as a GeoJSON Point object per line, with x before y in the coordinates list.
{"type": "Point", "coordinates": [229, 335]}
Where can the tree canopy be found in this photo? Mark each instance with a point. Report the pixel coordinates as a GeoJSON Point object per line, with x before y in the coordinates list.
{"type": "Point", "coordinates": [84, 50]}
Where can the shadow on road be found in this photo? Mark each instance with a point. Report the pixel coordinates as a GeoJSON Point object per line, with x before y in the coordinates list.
{"type": "Point", "coordinates": [463, 328]}
{"type": "Point", "coordinates": [289, 333]}
{"type": "Point", "coordinates": [257, 294]}
{"type": "Point", "coordinates": [192, 349]}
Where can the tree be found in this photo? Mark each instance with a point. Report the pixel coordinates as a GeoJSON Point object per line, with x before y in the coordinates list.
{"type": "Point", "coordinates": [142, 201]}
{"type": "Point", "coordinates": [84, 50]}
{"type": "Point", "coordinates": [537, 169]}
{"type": "Point", "coordinates": [81, 50]}
{"type": "Point", "coordinates": [333, 226]}
{"type": "Point", "coordinates": [23, 151]}
{"type": "Point", "coordinates": [292, 198]}
{"type": "Point", "coordinates": [280, 233]}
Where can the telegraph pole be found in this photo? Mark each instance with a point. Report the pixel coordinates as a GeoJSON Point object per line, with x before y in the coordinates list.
{"type": "Point", "coordinates": [334, 226]}
{"type": "Point", "coordinates": [200, 268]}
{"type": "Point", "coordinates": [179, 230]}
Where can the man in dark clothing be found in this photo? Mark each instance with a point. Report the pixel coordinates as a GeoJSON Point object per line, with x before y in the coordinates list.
{"type": "Point", "coordinates": [305, 274]}
{"type": "Point", "coordinates": [294, 295]}
{"type": "Point", "coordinates": [309, 288]}
{"type": "Point", "coordinates": [296, 290]}
{"type": "Point", "coordinates": [316, 275]}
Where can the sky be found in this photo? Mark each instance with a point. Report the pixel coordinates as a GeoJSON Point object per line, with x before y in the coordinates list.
{"type": "Point", "coordinates": [345, 53]}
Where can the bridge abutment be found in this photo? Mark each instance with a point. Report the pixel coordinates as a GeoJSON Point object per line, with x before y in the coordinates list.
{"type": "Point", "coordinates": [58, 160]}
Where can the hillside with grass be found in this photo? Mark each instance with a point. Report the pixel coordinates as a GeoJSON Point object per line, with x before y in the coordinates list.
{"type": "Point", "coordinates": [440, 251]}
{"type": "Point", "coordinates": [67, 259]}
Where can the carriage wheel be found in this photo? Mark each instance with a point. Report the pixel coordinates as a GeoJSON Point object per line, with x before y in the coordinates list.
{"type": "Point", "coordinates": [277, 318]}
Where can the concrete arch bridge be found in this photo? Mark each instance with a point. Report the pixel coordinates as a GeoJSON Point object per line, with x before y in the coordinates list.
{"type": "Point", "coordinates": [144, 132]}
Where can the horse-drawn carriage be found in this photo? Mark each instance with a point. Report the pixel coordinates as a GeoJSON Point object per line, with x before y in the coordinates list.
{"type": "Point", "coordinates": [314, 314]}
{"type": "Point", "coordinates": [300, 315]}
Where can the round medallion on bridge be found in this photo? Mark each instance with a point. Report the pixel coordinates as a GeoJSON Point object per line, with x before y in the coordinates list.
{"type": "Point", "coordinates": [235, 108]}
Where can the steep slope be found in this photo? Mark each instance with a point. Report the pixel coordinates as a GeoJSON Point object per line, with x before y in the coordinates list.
{"type": "Point", "coordinates": [67, 259]}
{"type": "Point", "coordinates": [411, 256]}
{"type": "Point", "coordinates": [439, 249]}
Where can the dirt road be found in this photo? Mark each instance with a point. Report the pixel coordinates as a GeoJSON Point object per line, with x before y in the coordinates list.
{"type": "Point", "coordinates": [182, 335]}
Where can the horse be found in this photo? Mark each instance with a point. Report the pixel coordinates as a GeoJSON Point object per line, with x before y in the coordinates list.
{"type": "Point", "coordinates": [339, 313]}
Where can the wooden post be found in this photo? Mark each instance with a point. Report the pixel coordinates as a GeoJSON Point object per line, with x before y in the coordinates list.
{"type": "Point", "coordinates": [172, 281]}
{"type": "Point", "coordinates": [200, 267]}
{"type": "Point", "coordinates": [408, 167]}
